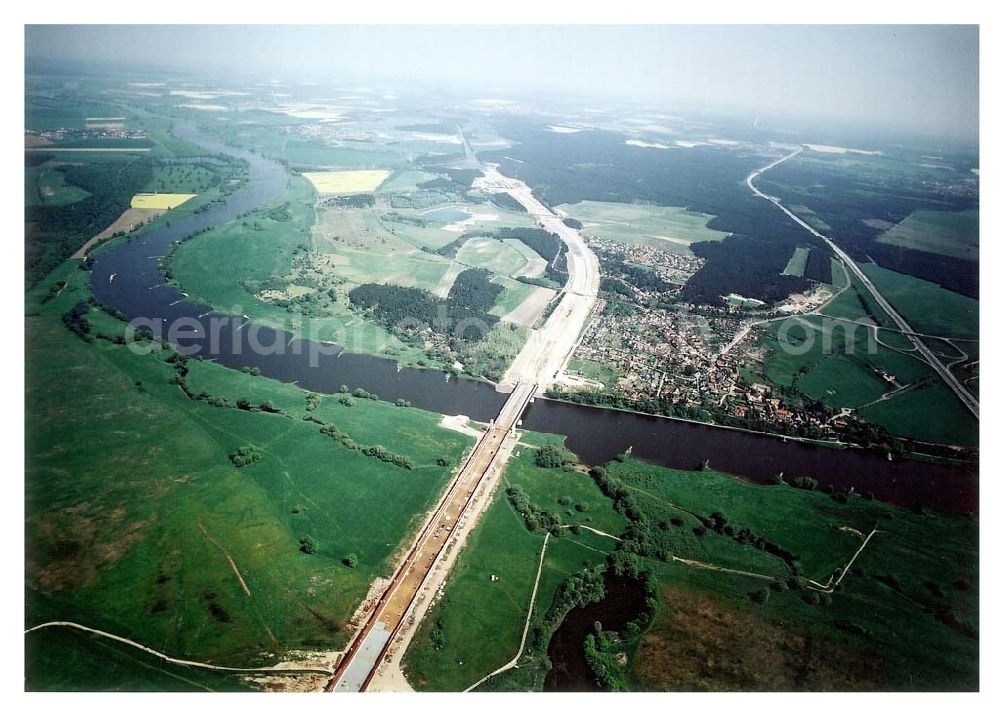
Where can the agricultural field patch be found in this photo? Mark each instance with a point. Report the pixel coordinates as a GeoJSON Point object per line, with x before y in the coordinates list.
{"type": "Point", "coordinates": [668, 228]}
{"type": "Point", "coordinates": [346, 181]}
{"type": "Point", "coordinates": [492, 254]}
{"type": "Point", "coordinates": [797, 263]}
{"type": "Point", "coordinates": [420, 270]}
{"type": "Point", "coordinates": [946, 233]}
{"type": "Point", "coordinates": [356, 229]}
{"type": "Point", "coordinates": [520, 303]}
{"type": "Point", "coordinates": [160, 200]}
{"type": "Point", "coordinates": [927, 307]}
{"type": "Point", "coordinates": [405, 181]}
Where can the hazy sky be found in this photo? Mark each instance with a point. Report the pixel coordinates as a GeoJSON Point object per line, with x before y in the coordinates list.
{"type": "Point", "coordinates": [912, 78]}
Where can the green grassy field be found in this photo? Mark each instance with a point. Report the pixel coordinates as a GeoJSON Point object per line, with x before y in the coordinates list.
{"type": "Point", "coordinates": [131, 498]}
{"type": "Point", "coordinates": [421, 270]}
{"type": "Point", "coordinates": [827, 372]}
{"type": "Point", "coordinates": [430, 235]}
{"type": "Point", "coordinates": [475, 607]}
{"type": "Point", "coordinates": [797, 263]}
{"type": "Point", "coordinates": [405, 181]}
{"type": "Point", "coordinates": [595, 370]}
{"type": "Point", "coordinates": [927, 307]}
{"type": "Point", "coordinates": [945, 233]}
{"type": "Point", "coordinates": [70, 660]}
{"type": "Point", "coordinates": [513, 295]}
{"type": "Point", "coordinates": [44, 186]}
{"type": "Point", "coordinates": [906, 641]}
{"type": "Point", "coordinates": [667, 228]}
{"type": "Point", "coordinates": [927, 412]}
{"type": "Point", "coordinates": [905, 618]}
{"type": "Point", "coordinates": [493, 255]}
{"type": "Point", "coordinates": [213, 268]}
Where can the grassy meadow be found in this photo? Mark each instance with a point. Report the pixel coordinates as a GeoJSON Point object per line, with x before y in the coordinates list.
{"type": "Point", "coordinates": [903, 618]}
{"type": "Point", "coordinates": [667, 228]}
{"type": "Point", "coordinates": [134, 505]}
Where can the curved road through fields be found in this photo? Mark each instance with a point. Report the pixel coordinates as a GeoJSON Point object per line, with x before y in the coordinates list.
{"type": "Point", "coordinates": [964, 395]}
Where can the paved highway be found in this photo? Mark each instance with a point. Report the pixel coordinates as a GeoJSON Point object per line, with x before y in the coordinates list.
{"type": "Point", "coordinates": [961, 392]}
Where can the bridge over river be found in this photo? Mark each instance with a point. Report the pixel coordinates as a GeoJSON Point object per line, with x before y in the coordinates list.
{"type": "Point", "coordinates": [478, 475]}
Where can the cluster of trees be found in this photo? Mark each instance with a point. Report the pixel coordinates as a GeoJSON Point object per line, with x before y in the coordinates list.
{"type": "Point", "coordinates": [245, 455]}
{"type": "Point", "coordinates": [581, 589]}
{"type": "Point", "coordinates": [463, 315]}
{"type": "Point", "coordinates": [544, 243]}
{"type": "Point", "coordinates": [354, 201]}
{"type": "Point", "coordinates": [748, 265]}
{"type": "Point", "coordinates": [463, 177]}
{"type": "Point", "coordinates": [376, 451]}
{"type": "Point", "coordinates": [308, 545]}
{"type": "Point", "coordinates": [535, 518]}
{"type": "Point", "coordinates": [317, 304]}
{"type": "Point", "coordinates": [505, 201]}
{"type": "Point", "coordinates": [549, 456]}
{"type": "Point", "coordinates": [54, 232]}
{"type": "Point", "coordinates": [75, 321]}
{"type": "Point", "coordinates": [661, 406]}
{"type": "Point", "coordinates": [388, 456]}
{"type": "Point", "coordinates": [642, 537]}
{"type": "Point", "coordinates": [359, 393]}
{"type": "Point", "coordinates": [600, 652]}
{"type": "Point", "coordinates": [442, 184]}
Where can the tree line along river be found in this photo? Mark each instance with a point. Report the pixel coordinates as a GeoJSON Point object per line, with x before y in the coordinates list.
{"type": "Point", "coordinates": [138, 289]}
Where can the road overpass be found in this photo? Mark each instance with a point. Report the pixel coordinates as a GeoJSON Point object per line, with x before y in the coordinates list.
{"type": "Point", "coordinates": [964, 395]}
{"type": "Point", "coordinates": [371, 643]}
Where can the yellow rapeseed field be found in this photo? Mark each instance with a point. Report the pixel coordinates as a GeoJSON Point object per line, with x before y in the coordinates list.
{"type": "Point", "coordinates": [146, 200]}
{"type": "Point", "coordinates": [346, 181]}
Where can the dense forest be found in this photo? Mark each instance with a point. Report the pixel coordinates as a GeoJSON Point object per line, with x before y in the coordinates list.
{"type": "Point", "coordinates": [463, 315]}
{"type": "Point", "coordinates": [847, 199]}
{"type": "Point", "coordinates": [743, 265]}
{"type": "Point", "coordinates": [599, 166]}
{"type": "Point", "coordinates": [53, 233]}
{"type": "Point", "coordinates": [505, 201]}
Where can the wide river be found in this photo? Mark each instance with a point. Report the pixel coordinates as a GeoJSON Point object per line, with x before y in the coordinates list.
{"type": "Point", "coordinates": [138, 289]}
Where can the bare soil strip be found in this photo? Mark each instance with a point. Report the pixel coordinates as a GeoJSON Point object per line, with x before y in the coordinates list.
{"type": "Point", "coordinates": [129, 219]}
